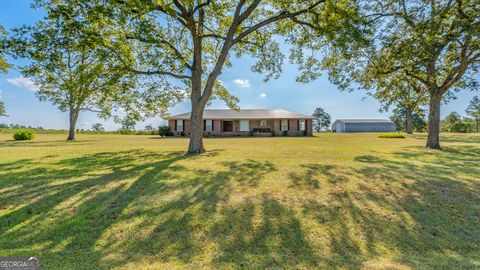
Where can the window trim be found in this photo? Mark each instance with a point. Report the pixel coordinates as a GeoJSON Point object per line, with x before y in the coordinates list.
{"type": "Point", "coordinates": [300, 124]}
{"type": "Point", "coordinates": [286, 125]}
{"type": "Point", "coordinates": [263, 121]}
{"type": "Point", "coordinates": [207, 126]}
{"type": "Point", "coordinates": [177, 125]}
{"type": "Point", "coordinates": [240, 125]}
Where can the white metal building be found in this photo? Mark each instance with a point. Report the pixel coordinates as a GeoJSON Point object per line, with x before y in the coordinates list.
{"type": "Point", "coordinates": [363, 125]}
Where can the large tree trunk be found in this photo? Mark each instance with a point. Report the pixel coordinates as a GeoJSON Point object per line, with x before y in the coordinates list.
{"type": "Point", "coordinates": [433, 140]}
{"type": "Point", "coordinates": [196, 129]}
{"type": "Point", "coordinates": [409, 126]}
{"type": "Point", "coordinates": [73, 116]}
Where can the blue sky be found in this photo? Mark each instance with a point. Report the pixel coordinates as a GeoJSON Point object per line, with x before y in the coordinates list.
{"type": "Point", "coordinates": [23, 107]}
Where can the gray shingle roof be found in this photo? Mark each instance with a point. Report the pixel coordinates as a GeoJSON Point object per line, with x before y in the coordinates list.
{"type": "Point", "coordinates": [245, 114]}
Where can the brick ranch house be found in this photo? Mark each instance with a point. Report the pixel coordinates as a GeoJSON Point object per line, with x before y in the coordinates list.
{"type": "Point", "coordinates": [247, 122]}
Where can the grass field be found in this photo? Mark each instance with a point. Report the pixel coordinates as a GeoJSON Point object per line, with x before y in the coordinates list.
{"type": "Point", "coordinates": [344, 201]}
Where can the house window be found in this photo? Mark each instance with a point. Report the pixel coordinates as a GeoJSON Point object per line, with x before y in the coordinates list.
{"type": "Point", "coordinates": [209, 125]}
{"type": "Point", "coordinates": [263, 123]}
{"type": "Point", "coordinates": [284, 125]}
{"type": "Point", "coordinates": [179, 125]}
{"type": "Point", "coordinates": [244, 125]}
{"type": "Point", "coordinates": [302, 126]}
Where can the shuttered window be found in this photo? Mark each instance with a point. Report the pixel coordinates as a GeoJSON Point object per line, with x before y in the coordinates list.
{"type": "Point", "coordinates": [208, 125]}
{"type": "Point", "coordinates": [301, 125]}
{"type": "Point", "coordinates": [179, 125]}
{"type": "Point", "coordinates": [284, 126]}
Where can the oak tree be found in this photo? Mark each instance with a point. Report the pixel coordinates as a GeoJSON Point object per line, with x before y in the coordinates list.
{"type": "Point", "coordinates": [189, 43]}
{"type": "Point", "coordinates": [417, 121]}
{"type": "Point", "coordinates": [321, 120]}
{"type": "Point", "coordinates": [73, 74]}
{"type": "Point", "coordinates": [434, 43]}
{"type": "Point", "coordinates": [402, 92]}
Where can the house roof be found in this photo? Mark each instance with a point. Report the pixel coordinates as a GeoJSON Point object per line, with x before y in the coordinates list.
{"type": "Point", "coordinates": [364, 120]}
{"type": "Point", "coordinates": [245, 114]}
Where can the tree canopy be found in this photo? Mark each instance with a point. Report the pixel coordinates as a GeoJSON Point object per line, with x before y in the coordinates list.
{"type": "Point", "coordinates": [2, 109]}
{"type": "Point", "coordinates": [473, 110]}
{"type": "Point", "coordinates": [400, 118]}
{"type": "Point", "coordinates": [433, 43]}
{"type": "Point", "coordinates": [186, 44]}
{"type": "Point", "coordinates": [98, 127]}
{"type": "Point", "coordinates": [450, 121]}
{"type": "Point", "coordinates": [4, 65]}
{"type": "Point", "coordinates": [321, 120]}
{"type": "Point", "coordinates": [72, 73]}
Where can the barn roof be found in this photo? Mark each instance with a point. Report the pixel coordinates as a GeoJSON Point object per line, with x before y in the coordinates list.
{"type": "Point", "coordinates": [364, 120]}
{"type": "Point", "coordinates": [245, 114]}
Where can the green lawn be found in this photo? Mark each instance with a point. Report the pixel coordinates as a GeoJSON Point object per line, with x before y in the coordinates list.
{"type": "Point", "coordinates": [343, 201]}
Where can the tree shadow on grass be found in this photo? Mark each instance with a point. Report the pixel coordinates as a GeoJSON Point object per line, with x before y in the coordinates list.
{"type": "Point", "coordinates": [249, 172]}
{"type": "Point", "coordinates": [207, 215]}
{"type": "Point", "coordinates": [422, 205]}
{"type": "Point", "coordinates": [452, 137]}
{"type": "Point", "coordinates": [67, 206]}
{"type": "Point", "coordinates": [261, 234]}
{"type": "Point", "coordinates": [110, 209]}
{"type": "Point", "coordinates": [119, 209]}
{"type": "Point", "coordinates": [314, 174]}
{"type": "Point", "coordinates": [33, 143]}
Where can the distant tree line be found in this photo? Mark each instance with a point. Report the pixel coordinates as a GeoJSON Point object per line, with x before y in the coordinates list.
{"type": "Point", "coordinates": [96, 128]}
{"type": "Point", "coordinates": [17, 126]}
{"type": "Point", "coordinates": [453, 122]}
{"type": "Point", "coordinates": [409, 121]}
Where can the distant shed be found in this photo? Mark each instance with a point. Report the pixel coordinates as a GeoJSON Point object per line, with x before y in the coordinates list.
{"type": "Point", "coordinates": [363, 125]}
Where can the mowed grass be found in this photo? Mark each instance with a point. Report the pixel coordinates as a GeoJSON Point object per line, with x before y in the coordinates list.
{"type": "Point", "coordinates": [344, 201]}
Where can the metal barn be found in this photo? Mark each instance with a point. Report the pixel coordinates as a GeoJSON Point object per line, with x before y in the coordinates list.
{"type": "Point", "coordinates": [363, 125]}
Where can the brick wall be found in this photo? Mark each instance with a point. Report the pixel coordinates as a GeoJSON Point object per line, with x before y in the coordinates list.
{"type": "Point", "coordinates": [273, 124]}
{"type": "Point", "coordinates": [293, 125]}
{"type": "Point", "coordinates": [171, 125]}
{"type": "Point", "coordinates": [217, 126]}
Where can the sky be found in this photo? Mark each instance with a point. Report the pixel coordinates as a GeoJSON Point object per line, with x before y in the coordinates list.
{"type": "Point", "coordinates": [23, 107]}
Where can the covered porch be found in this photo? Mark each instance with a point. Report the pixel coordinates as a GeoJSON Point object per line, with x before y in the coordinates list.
{"type": "Point", "coordinates": [256, 127]}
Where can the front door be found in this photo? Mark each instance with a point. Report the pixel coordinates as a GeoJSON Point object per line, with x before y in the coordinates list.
{"type": "Point", "coordinates": [227, 126]}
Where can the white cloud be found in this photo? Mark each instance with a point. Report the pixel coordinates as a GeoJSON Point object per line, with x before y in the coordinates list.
{"type": "Point", "coordinates": [242, 83]}
{"type": "Point", "coordinates": [23, 82]}
{"type": "Point", "coordinates": [85, 124]}
{"type": "Point", "coordinates": [181, 92]}
{"type": "Point", "coordinates": [263, 95]}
